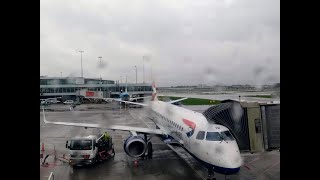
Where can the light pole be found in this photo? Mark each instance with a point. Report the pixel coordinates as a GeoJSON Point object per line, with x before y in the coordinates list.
{"type": "Point", "coordinates": [151, 74]}
{"type": "Point", "coordinates": [100, 66]}
{"type": "Point", "coordinates": [81, 64]}
{"type": "Point", "coordinates": [126, 84]}
{"type": "Point", "coordinates": [100, 74]}
{"type": "Point", "coordinates": [136, 74]}
{"type": "Point", "coordinates": [120, 79]}
{"type": "Point", "coordinates": [143, 67]}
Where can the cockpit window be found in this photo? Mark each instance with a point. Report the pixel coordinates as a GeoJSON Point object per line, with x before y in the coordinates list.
{"type": "Point", "coordinates": [226, 135]}
{"type": "Point", "coordinates": [213, 136]}
{"type": "Point", "coordinates": [200, 135]}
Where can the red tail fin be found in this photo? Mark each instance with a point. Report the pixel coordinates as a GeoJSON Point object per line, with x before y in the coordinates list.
{"type": "Point", "coordinates": [154, 93]}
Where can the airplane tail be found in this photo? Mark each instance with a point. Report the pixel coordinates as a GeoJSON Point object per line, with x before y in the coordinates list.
{"type": "Point", "coordinates": [154, 93]}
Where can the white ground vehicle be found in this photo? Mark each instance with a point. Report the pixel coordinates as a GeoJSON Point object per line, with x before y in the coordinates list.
{"type": "Point", "coordinates": [83, 150]}
{"type": "Point", "coordinates": [88, 150]}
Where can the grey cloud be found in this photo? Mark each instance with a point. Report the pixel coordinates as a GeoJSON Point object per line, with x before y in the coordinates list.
{"type": "Point", "coordinates": [183, 38]}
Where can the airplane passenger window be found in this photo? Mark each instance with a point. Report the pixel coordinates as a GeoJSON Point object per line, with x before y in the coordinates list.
{"type": "Point", "coordinates": [226, 135]}
{"type": "Point", "coordinates": [213, 136]}
{"type": "Point", "coordinates": [200, 135]}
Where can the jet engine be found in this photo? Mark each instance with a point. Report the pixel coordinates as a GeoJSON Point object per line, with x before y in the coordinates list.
{"type": "Point", "coordinates": [135, 146]}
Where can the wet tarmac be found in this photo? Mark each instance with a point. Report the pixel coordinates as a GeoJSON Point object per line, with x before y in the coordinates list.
{"type": "Point", "coordinates": [167, 163]}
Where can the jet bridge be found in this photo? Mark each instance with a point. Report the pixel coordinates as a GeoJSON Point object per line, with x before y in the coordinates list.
{"type": "Point", "coordinates": [233, 116]}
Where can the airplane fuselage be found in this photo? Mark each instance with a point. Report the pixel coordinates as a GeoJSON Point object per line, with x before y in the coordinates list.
{"type": "Point", "coordinates": [183, 125]}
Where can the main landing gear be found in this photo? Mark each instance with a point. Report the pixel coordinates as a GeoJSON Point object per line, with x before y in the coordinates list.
{"type": "Point", "coordinates": [149, 152]}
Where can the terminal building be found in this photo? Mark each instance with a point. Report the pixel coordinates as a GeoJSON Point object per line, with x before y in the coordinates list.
{"type": "Point", "coordinates": [71, 87]}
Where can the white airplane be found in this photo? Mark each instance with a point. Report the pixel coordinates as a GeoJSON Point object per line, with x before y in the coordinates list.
{"type": "Point", "coordinates": [211, 144]}
{"type": "Point", "coordinates": [125, 96]}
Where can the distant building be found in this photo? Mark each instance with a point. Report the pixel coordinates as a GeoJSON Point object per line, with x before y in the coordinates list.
{"type": "Point", "coordinates": [72, 86]}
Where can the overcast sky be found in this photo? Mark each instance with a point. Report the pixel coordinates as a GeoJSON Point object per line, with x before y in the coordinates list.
{"type": "Point", "coordinates": [186, 42]}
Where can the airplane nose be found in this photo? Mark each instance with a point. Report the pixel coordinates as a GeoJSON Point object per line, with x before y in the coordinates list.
{"type": "Point", "coordinates": [237, 160]}
{"type": "Point", "coordinates": [234, 160]}
{"type": "Point", "coordinates": [230, 161]}
{"type": "Point", "coordinates": [233, 164]}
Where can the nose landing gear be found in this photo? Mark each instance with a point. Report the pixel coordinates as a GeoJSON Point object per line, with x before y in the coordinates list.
{"type": "Point", "coordinates": [210, 174]}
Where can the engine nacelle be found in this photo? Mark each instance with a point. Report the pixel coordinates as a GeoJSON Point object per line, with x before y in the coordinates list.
{"type": "Point", "coordinates": [135, 146]}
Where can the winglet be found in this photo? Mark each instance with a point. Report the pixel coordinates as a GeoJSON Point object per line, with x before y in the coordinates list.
{"type": "Point", "coordinates": [174, 101]}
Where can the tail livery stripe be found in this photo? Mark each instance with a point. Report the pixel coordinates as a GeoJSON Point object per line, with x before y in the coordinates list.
{"type": "Point", "coordinates": [189, 123]}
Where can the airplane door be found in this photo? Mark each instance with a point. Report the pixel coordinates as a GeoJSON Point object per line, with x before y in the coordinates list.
{"type": "Point", "coordinates": [186, 140]}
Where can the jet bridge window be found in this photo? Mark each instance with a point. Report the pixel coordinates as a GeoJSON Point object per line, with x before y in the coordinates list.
{"type": "Point", "coordinates": [226, 135]}
{"type": "Point", "coordinates": [213, 136]}
{"type": "Point", "coordinates": [200, 135]}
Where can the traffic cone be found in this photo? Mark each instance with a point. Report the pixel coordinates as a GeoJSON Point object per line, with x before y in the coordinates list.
{"type": "Point", "coordinates": [42, 147]}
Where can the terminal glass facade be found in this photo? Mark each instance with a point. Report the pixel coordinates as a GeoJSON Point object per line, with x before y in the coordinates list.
{"type": "Point", "coordinates": [71, 86]}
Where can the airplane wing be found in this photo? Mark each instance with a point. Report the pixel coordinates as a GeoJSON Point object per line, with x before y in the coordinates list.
{"type": "Point", "coordinates": [174, 101]}
{"type": "Point", "coordinates": [111, 127]}
{"type": "Point", "coordinates": [141, 104]}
